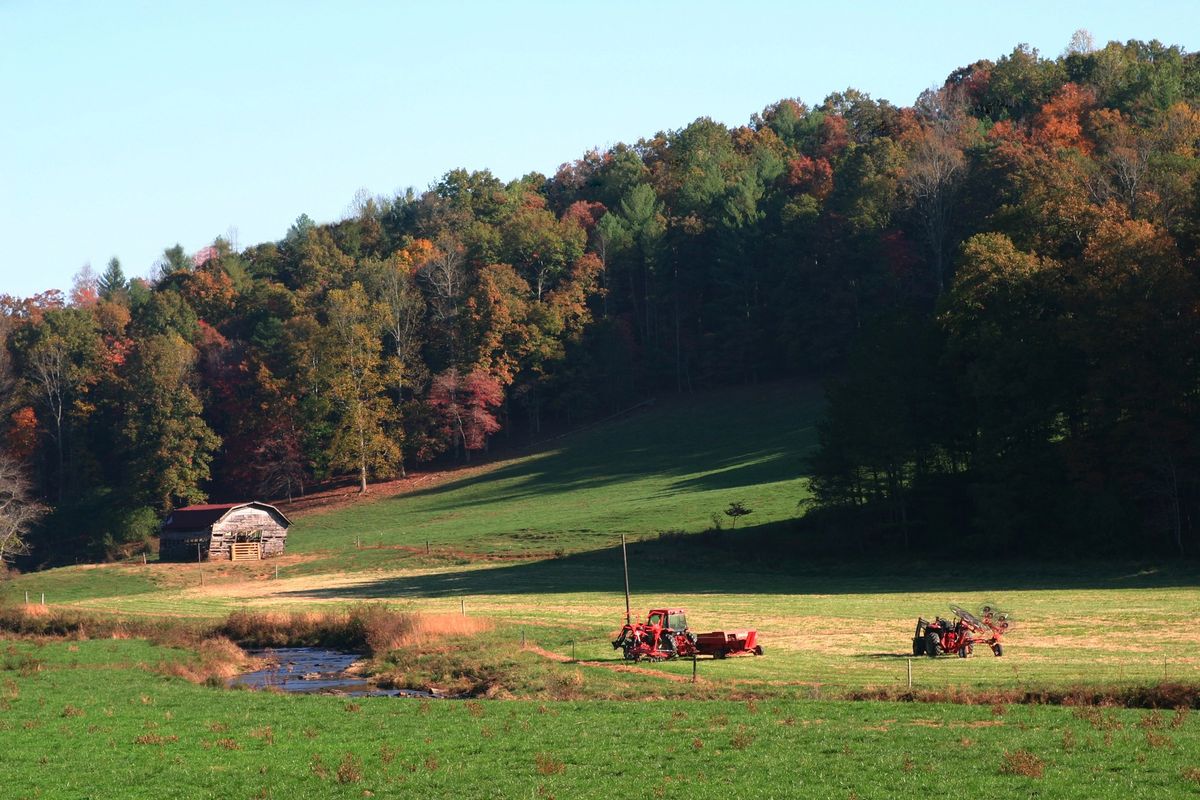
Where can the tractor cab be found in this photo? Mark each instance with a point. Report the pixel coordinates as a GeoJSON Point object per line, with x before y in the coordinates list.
{"type": "Point", "coordinates": [663, 635]}
{"type": "Point", "coordinates": [667, 619]}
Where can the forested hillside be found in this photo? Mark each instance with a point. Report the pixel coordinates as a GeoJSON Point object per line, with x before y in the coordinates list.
{"type": "Point", "coordinates": [998, 282]}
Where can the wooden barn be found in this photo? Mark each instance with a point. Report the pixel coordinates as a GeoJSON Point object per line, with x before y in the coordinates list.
{"type": "Point", "coordinates": [223, 532]}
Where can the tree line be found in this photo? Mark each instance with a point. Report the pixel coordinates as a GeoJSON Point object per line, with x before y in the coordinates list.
{"type": "Point", "coordinates": [998, 281]}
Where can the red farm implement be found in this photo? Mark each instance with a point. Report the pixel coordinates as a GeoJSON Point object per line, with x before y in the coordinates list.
{"type": "Point", "coordinates": [960, 635]}
{"type": "Point", "coordinates": [665, 635]}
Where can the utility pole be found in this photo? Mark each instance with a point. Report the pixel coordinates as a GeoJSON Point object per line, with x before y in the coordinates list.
{"type": "Point", "coordinates": [625, 558]}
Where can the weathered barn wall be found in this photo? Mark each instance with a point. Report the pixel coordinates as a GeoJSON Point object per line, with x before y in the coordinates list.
{"type": "Point", "coordinates": [250, 524]}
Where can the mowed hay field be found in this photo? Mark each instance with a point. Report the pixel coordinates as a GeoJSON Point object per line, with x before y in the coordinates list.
{"type": "Point", "coordinates": [533, 545]}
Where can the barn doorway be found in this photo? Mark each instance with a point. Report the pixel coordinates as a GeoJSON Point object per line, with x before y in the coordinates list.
{"type": "Point", "coordinates": [246, 547]}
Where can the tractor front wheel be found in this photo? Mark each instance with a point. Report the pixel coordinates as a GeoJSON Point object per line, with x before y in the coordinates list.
{"type": "Point", "coordinates": [997, 649]}
{"type": "Point", "coordinates": [965, 650]}
{"type": "Point", "coordinates": [933, 645]}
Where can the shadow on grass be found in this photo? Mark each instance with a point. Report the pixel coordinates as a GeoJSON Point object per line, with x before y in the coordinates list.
{"type": "Point", "coordinates": [664, 442]}
{"type": "Point", "coordinates": [767, 559]}
{"type": "Point", "coordinates": [886, 656]}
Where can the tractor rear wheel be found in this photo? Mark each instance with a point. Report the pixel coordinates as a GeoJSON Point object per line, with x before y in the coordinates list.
{"type": "Point", "coordinates": [997, 649]}
{"type": "Point", "coordinates": [918, 646]}
{"type": "Point", "coordinates": [933, 645]}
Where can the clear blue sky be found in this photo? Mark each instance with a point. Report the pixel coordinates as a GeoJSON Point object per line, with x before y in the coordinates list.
{"type": "Point", "coordinates": [131, 126]}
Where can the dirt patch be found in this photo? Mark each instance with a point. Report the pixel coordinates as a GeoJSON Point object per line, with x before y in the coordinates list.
{"type": "Point", "coordinates": [544, 653]}
{"type": "Point", "coordinates": [337, 497]}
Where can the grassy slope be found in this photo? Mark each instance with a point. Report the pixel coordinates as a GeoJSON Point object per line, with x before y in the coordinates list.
{"type": "Point", "coordinates": [104, 729]}
{"type": "Point", "coordinates": [669, 469]}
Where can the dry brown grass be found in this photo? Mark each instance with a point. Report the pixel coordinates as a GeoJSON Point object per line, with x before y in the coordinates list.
{"type": "Point", "coordinates": [1160, 695]}
{"type": "Point", "coordinates": [154, 738]}
{"type": "Point", "coordinates": [742, 739]}
{"type": "Point", "coordinates": [566, 685]}
{"type": "Point", "coordinates": [1155, 739]}
{"type": "Point", "coordinates": [33, 611]}
{"type": "Point", "coordinates": [350, 769]}
{"type": "Point", "coordinates": [37, 621]}
{"type": "Point", "coordinates": [217, 659]}
{"type": "Point", "coordinates": [368, 626]}
{"type": "Point", "coordinates": [547, 764]}
{"type": "Point", "coordinates": [265, 733]}
{"type": "Point", "coordinates": [1022, 762]}
{"type": "Point", "coordinates": [393, 631]}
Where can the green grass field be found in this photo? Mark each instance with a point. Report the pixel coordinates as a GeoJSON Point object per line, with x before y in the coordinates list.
{"type": "Point", "coordinates": [668, 469]}
{"type": "Point", "coordinates": [533, 543]}
{"type": "Point", "coordinates": [81, 720]}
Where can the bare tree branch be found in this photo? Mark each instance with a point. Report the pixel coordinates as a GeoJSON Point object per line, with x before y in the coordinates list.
{"type": "Point", "coordinates": [18, 512]}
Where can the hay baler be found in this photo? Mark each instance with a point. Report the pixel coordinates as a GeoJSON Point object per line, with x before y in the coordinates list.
{"type": "Point", "coordinates": [665, 635]}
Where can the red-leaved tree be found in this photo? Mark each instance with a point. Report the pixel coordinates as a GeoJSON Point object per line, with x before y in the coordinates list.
{"type": "Point", "coordinates": [464, 404]}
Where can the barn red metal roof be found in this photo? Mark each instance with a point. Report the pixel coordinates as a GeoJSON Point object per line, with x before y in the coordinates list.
{"type": "Point", "coordinates": [191, 518]}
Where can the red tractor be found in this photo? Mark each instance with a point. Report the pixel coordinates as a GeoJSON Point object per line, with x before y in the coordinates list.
{"type": "Point", "coordinates": [962, 634]}
{"type": "Point", "coordinates": [665, 635]}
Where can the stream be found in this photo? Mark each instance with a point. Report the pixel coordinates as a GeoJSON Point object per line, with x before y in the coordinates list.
{"type": "Point", "coordinates": [313, 670]}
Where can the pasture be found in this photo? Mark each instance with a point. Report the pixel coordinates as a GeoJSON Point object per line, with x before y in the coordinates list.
{"type": "Point", "coordinates": [96, 719]}
{"type": "Point", "coordinates": [532, 544]}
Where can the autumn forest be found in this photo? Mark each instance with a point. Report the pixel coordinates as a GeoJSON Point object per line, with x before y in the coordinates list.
{"type": "Point", "coordinates": [999, 286]}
